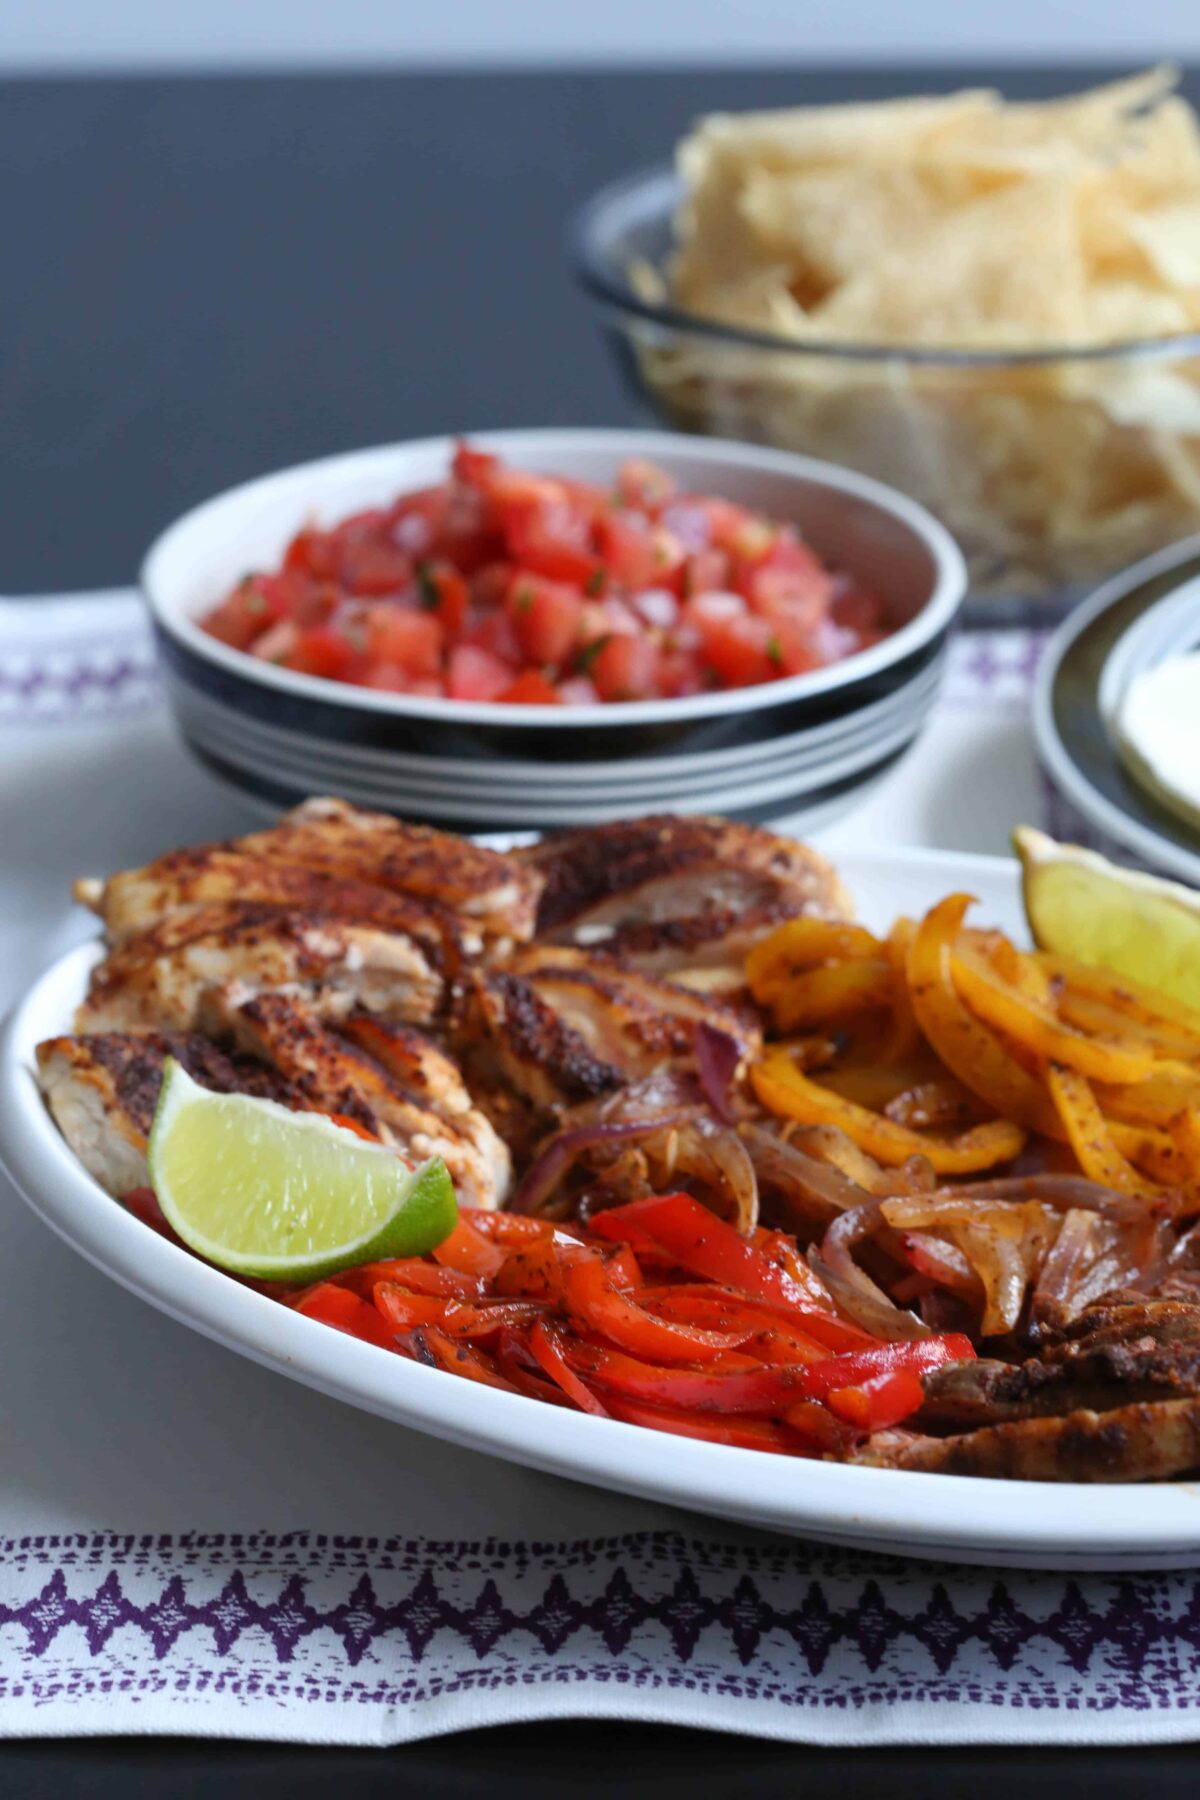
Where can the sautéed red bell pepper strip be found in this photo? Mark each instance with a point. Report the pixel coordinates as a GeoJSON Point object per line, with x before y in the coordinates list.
{"type": "Point", "coordinates": [722, 1344]}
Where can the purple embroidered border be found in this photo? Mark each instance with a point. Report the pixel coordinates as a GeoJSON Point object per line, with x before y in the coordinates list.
{"type": "Point", "coordinates": [396, 1623]}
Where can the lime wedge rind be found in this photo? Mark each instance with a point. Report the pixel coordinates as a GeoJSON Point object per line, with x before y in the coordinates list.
{"type": "Point", "coordinates": [281, 1196]}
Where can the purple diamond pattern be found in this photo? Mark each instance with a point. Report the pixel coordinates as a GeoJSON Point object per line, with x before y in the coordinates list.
{"type": "Point", "coordinates": [305, 1621]}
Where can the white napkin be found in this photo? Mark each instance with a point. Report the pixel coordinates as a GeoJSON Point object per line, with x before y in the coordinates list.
{"type": "Point", "coordinates": [189, 1544]}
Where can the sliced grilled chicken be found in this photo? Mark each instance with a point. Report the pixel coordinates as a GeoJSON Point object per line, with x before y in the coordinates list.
{"type": "Point", "coordinates": [515, 1039]}
{"type": "Point", "coordinates": [632, 872]}
{"type": "Point", "coordinates": [159, 978]}
{"type": "Point", "coordinates": [630, 1020]}
{"type": "Point", "coordinates": [426, 1074]}
{"type": "Point", "coordinates": [1148, 1441]}
{"type": "Point", "coordinates": [496, 893]}
{"type": "Point", "coordinates": [336, 1076]}
{"type": "Point", "coordinates": [191, 880]}
{"type": "Point", "coordinates": [705, 951]}
{"type": "Point", "coordinates": [102, 1091]}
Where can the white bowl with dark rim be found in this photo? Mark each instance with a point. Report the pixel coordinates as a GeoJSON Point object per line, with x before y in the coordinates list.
{"type": "Point", "coordinates": [805, 743]}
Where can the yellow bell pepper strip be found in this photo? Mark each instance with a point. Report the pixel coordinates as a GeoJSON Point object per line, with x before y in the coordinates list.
{"type": "Point", "coordinates": [1172, 1089]}
{"type": "Point", "coordinates": [802, 944]}
{"type": "Point", "coordinates": [833, 992]}
{"type": "Point", "coordinates": [1013, 1010]}
{"type": "Point", "coordinates": [1089, 1137]}
{"type": "Point", "coordinates": [968, 1049]}
{"type": "Point", "coordinates": [1145, 1006]}
{"type": "Point", "coordinates": [1152, 1150]}
{"type": "Point", "coordinates": [904, 1038]}
{"type": "Point", "coordinates": [783, 1089]}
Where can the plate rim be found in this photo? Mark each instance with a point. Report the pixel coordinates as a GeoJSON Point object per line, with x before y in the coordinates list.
{"type": "Point", "coordinates": [931, 1516]}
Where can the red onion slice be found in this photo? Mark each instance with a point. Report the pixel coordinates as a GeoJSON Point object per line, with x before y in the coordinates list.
{"type": "Point", "coordinates": [717, 1058]}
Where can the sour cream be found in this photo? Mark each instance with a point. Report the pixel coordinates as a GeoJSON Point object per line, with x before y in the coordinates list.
{"type": "Point", "coordinates": [1157, 733]}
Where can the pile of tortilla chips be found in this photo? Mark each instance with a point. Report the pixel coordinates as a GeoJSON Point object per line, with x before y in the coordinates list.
{"type": "Point", "coordinates": [961, 223]}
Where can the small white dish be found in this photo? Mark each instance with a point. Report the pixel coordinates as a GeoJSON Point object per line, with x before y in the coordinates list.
{"type": "Point", "coordinates": [275, 734]}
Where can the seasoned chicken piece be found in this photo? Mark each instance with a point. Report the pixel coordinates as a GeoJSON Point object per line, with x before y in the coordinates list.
{"type": "Point", "coordinates": [705, 951]}
{"type": "Point", "coordinates": [496, 893]}
{"type": "Point", "coordinates": [637, 1024]}
{"type": "Point", "coordinates": [426, 1074]}
{"type": "Point", "coordinates": [193, 880]}
{"type": "Point", "coordinates": [515, 1039]}
{"type": "Point", "coordinates": [102, 1091]}
{"type": "Point", "coordinates": [159, 977]}
{"type": "Point", "coordinates": [1148, 1441]}
{"type": "Point", "coordinates": [600, 878]}
{"type": "Point", "coordinates": [337, 1077]}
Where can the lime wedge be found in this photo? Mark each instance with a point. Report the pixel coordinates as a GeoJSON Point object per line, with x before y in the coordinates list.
{"type": "Point", "coordinates": [1138, 926]}
{"type": "Point", "coordinates": [286, 1196]}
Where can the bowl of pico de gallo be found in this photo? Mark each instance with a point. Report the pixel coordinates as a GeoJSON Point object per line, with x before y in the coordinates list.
{"type": "Point", "coordinates": [523, 629]}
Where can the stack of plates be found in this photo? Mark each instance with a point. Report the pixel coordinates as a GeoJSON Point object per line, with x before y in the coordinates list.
{"type": "Point", "coordinates": [807, 744]}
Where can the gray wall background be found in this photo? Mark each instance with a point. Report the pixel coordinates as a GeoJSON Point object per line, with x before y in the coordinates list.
{"type": "Point", "coordinates": [198, 34]}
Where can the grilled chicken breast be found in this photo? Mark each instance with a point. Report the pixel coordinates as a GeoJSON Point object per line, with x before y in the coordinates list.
{"type": "Point", "coordinates": [187, 882]}
{"type": "Point", "coordinates": [498, 894]}
{"type": "Point", "coordinates": [159, 977]}
{"type": "Point", "coordinates": [647, 871]}
{"type": "Point", "coordinates": [337, 1076]}
{"type": "Point", "coordinates": [427, 1075]}
{"type": "Point", "coordinates": [561, 1027]}
{"type": "Point", "coordinates": [514, 1039]}
{"type": "Point", "coordinates": [102, 1091]}
{"type": "Point", "coordinates": [1148, 1441]}
{"type": "Point", "coordinates": [705, 951]}
{"type": "Point", "coordinates": [631, 1020]}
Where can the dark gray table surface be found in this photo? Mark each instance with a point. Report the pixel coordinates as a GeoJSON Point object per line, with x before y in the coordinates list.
{"type": "Point", "coordinates": [206, 278]}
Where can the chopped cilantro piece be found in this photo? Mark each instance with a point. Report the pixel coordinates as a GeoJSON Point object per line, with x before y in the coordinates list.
{"type": "Point", "coordinates": [427, 582]}
{"type": "Point", "coordinates": [586, 657]}
{"type": "Point", "coordinates": [775, 651]}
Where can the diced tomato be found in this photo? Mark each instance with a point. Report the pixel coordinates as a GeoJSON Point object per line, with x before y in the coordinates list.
{"type": "Point", "coordinates": [626, 542]}
{"type": "Point", "coordinates": [743, 651]}
{"type": "Point", "coordinates": [531, 689]}
{"type": "Point", "coordinates": [507, 584]}
{"type": "Point", "coordinates": [788, 583]}
{"type": "Point", "coordinates": [314, 553]}
{"type": "Point", "coordinates": [320, 650]}
{"type": "Point", "coordinates": [444, 592]}
{"type": "Point", "coordinates": [489, 586]}
{"type": "Point", "coordinates": [625, 668]}
{"type": "Point", "coordinates": [375, 566]}
{"type": "Point", "coordinates": [644, 484]}
{"type": "Point", "coordinates": [545, 617]}
{"type": "Point", "coordinates": [474, 468]}
{"type": "Point", "coordinates": [703, 571]}
{"type": "Point", "coordinates": [551, 538]}
{"type": "Point", "coordinates": [411, 640]}
{"type": "Point", "coordinates": [494, 633]}
{"type": "Point", "coordinates": [254, 605]}
{"type": "Point", "coordinates": [476, 674]}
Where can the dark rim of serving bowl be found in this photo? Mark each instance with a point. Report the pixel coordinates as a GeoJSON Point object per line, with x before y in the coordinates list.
{"type": "Point", "coordinates": [611, 286]}
{"type": "Point", "coordinates": [329, 720]}
{"type": "Point", "coordinates": [935, 613]}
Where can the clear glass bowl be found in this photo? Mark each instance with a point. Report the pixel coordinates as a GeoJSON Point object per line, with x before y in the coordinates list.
{"type": "Point", "coordinates": [1053, 468]}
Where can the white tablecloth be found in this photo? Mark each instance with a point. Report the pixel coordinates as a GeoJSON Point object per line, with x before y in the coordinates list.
{"type": "Point", "coordinates": [189, 1544]}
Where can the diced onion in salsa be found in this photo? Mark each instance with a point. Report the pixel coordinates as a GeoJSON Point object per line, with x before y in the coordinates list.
{"type": "Point", "coordinates": [498, 584]}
